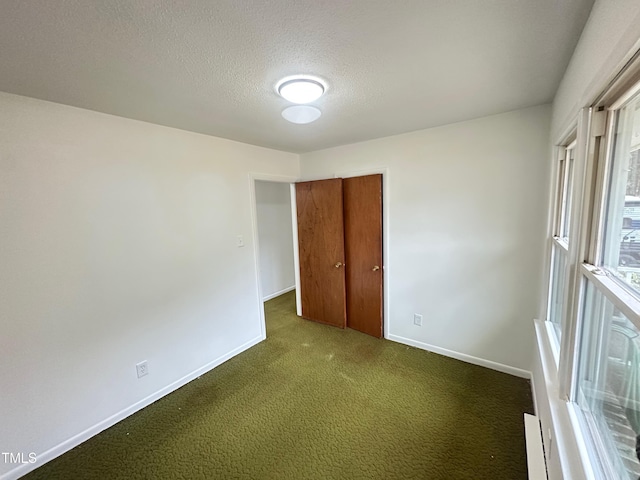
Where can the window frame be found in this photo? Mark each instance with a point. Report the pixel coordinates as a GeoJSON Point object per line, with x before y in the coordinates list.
{"type": "Point", "coordinates": [559, 243]}
{"type": "Point", "coordinates": [585, 170]}
{"type": "Point", "coordinates": [563, 229]}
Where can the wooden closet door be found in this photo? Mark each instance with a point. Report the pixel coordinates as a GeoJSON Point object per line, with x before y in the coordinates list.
{"type": "Point", "coordinates": [321, 251]}
{"type": "Point", "coordinates": [363, 249]}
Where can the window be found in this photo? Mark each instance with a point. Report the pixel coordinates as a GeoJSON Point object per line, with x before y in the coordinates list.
{"type": "Point", "coordinates": [606, 388]}
{"type": "Point", "coordinates": [560, 239]}
{"type": "Point", "coordinates": [608, 393]}
{"type": "Point", "coordinates": [556, 298]}
{"type": "Point", "coordinates": [622, 227]}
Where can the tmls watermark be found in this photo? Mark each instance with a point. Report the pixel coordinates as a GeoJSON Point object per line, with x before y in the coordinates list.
{"type": "Point", "coordinates": [10, 457]}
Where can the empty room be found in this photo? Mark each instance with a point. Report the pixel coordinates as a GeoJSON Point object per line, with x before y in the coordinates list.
{"type": "Point", "coordinates": [320, 240]}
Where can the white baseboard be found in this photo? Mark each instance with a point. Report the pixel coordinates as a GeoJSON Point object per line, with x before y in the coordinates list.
{"type": "Point", "coordinates": [533, 393]}
{"type": "Point", "coordinates": [518, 372]}
{"type": "Point", "coordinates": [277, 294]}
{"type": "Point", "coordinates": [76, 440]}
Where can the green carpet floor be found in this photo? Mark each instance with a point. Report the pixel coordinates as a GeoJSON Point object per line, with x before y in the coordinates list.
{"type": "Point", "coordinates": [317, 402]}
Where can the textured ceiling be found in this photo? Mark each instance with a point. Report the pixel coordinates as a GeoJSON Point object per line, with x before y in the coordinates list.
{"type": "Point", "coordinates": [211, 66]}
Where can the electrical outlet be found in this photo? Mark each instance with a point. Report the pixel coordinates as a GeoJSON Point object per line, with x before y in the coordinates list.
{"type": "Point", "coordinates": [417, 319]}
{"type": "Point", "coordinates": [142, 368]}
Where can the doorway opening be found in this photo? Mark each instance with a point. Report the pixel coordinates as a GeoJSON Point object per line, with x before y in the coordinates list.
{"type": "Point", "coordinates": [274, 238]}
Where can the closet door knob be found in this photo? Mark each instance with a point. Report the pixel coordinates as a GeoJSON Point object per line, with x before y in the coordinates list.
{"type": "Point", "coordinates": [376, 268]}
{"type": "Point", "coordinates": [339, 264]}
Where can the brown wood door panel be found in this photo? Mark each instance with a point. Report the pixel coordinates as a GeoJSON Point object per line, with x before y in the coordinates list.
{"type": "Point", "coordinates": [321, 247]}
{"type": "Point", "coordinates": [363, 253]}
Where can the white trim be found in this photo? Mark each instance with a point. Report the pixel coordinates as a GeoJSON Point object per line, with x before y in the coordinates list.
{"type": "Point", "coordinates": [76, 440]}
{"type": "Point", "coordinates": [278, 293]}
{"type": "Point", "coordinates": [586, 455]}
{"type": "Point", "coordinates": [604, 161]}
{"type": "Point", "coordinates": [545, 300]}
{"type": "Point", "coordinates": [580, 223]}
{"type": "Point", "coordinates": [253, 176]}
{"type": "Point", "coordinates": [482, 362]}
{"type": "Point", "coordinates": [533, 393]}
{"type": "Point", "coordinates": [296, 247]}
{"type": "Point", "coordinates": [566, 200]}
{"type": "Point", "coordinates": [616, 293]}
{"type": "Point", "coordinates": [552, 199]}
{"type": "Point", "coordinates": [561, 244]}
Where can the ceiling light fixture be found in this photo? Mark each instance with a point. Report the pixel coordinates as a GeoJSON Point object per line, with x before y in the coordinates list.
{"type": "Point", "coordinates": [300, 89]}
{"type": "Point", "coordinates": [301, 114]}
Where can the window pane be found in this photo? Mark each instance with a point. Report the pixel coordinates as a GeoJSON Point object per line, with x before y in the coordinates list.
{"type": "Point", "coordinates": [557, 223]}
{"type": "Point", "coordinates": [559, 265]}
{"type": "Point", "coordinates": [567, 196]}
{"type": "Point", "coordinates": [609, 383]}
{"type": "Point", "coordinates": [621, 253]}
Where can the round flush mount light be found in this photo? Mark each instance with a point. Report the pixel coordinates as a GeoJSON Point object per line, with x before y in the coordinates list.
{"type": "Point", "coordinates": [300, 89]}
{"type": "Point", "coordinates": [301, 114]}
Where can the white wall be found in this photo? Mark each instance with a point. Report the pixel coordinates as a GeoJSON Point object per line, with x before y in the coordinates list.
{"type": "Point", "coordinates": [275, 237]}
{"type": "Point", "coordinates": [467, 205]}
{"type": "Point", "coordinates": [610, 36]}
{"type": "Point", "coordinates": [117, 244]}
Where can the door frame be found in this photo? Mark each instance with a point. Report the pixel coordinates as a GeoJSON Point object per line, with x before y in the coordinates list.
{"type": "Point", "coordinates": [385, 234]}
{"type": "Point", "coordinates": [290, 180]}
